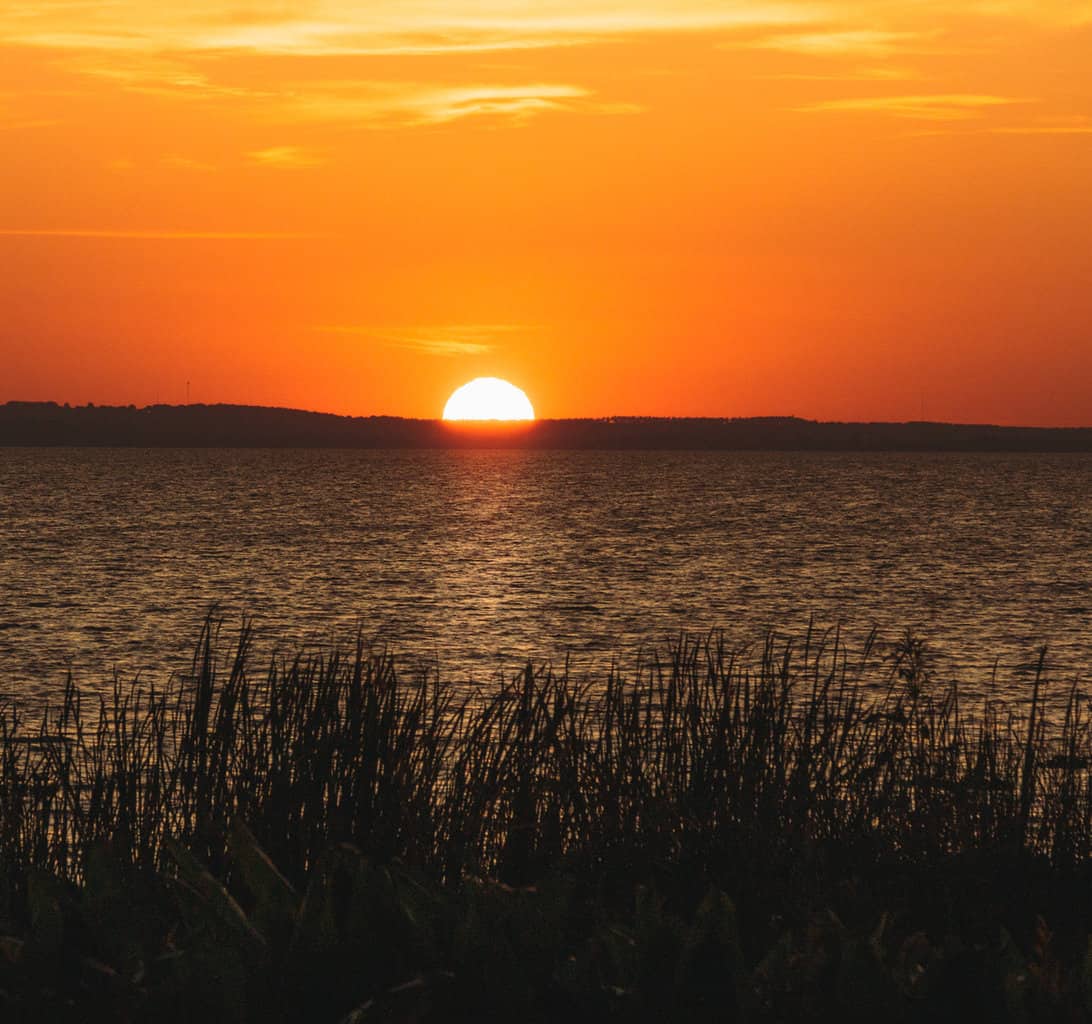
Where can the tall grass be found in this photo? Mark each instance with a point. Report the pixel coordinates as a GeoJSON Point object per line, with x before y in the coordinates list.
{"type": "Point", "coordinates": [724, 762]}
{"type": "Point", "coordinates": [787, 832]}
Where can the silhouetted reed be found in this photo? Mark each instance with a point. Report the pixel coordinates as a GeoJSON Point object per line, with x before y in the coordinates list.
{"type": "Point", "coordinates": [707, 755]}
{"type": "Point", "coordinates": [782, 832]}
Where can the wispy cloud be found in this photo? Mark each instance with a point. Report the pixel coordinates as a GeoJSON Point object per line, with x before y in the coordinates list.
{"type": "Point", "coordinates": [443, 340]}
{"type": "Point", "coordinates": [403, 103]}
{"type": "Point", "coordinates": [179, 162]}
{"type": "Point", "coordinates": [870, 43]}
{"type": "Point", "coordinates": [409, 103]}
{"type": "Point", "coordinates": [1061, 125]}
{"type": "Point", "coordinates": [157, 75]}
{"type": "Point", "coordinates": [1078, 125]}
{"type": "Point", "coordinates": [1063, 13]}
{"type": "Point", "coordinates": [286, 157]}
{"type": "Point", "coordinates": [343, 28]}
{"type": "Point", "coordinates": [338, 28]}
{"type": "Point", "coordinates": [940, 107]}
{"type": "Point", "coordinates": [848, 74]}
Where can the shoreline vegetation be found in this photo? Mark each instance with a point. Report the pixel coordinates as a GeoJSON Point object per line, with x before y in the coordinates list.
{"type": "Point", "coordinates": [200, 426]}
{"type": "Point", "coordinates": [789, 832]}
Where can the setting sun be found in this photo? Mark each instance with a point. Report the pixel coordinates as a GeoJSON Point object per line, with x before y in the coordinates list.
{"type": "Point", "coordinates": [488, 398]}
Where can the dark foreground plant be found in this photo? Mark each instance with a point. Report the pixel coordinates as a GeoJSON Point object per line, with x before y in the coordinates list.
{"type": "Point", "coordinates": [788, 833]}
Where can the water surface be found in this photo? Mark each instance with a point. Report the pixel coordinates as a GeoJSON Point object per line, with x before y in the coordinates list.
{"type": "Point", "coordinates": [110, 558]}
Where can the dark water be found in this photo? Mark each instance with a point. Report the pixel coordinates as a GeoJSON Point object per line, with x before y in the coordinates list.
{"type": "Point", "coordinates": [110, 558]}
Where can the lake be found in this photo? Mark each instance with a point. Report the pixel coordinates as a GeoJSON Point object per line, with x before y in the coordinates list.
{"type": "Point", "coordinates": [479, 560]}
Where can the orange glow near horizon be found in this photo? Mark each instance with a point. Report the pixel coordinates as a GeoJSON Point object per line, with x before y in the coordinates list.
{"type": "Point", "coordinates": [871, 211]}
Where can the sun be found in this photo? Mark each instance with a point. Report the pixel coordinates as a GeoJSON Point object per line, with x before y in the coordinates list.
{"type": "Point", "coordinates": [488, 398]}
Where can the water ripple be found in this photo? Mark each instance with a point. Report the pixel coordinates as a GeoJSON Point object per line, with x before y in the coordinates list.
{"type": "Point", "coordinates": [479, 560]}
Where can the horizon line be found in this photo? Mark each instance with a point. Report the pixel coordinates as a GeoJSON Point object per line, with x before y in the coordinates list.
{"type": "Point", "coordinates": [528, 424]}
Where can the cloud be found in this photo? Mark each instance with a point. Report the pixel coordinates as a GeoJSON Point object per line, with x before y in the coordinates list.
{"type": "Point", "coordinates": [339, 28]}
{"type": "Point", "coordinates": [1062, 13]}
{"type": "Point", "coordinates": [849, 74]}
{"type": "Point", "coordinates": [408, 103]}
{"type": "Point", "coordinates": [156, 75]}
{"type": "Point", "coordinates": [1063, 125]}
{"type": "Point", "coordinates": [1078, 125]}
{"type": "Point", "coordinates": [941, 107]}
{"type": "Point", "coordinates": [345, 28]}
{"type": "Point", "coordinates": [852, 42]}
{"type": "Point", "coordinates": [186, 163]}
{"type": "Point", "coordinates": [203, 50]}
{"type": "Point", "coordinates": [366, 101]}
{"type": "Point", "coordinates": [288, 157]}
{"type": "Point", "coordinates": [445, 340]}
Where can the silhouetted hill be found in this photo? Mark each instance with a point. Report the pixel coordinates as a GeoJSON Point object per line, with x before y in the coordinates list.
{"type": "Point", "coordinates": [46, 423]}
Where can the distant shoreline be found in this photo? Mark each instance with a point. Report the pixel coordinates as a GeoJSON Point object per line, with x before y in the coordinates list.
{"type": "Point", "coordinates": [47, 424]}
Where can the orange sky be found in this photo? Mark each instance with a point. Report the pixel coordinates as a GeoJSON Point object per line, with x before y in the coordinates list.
{"type": "Point", "coordinates": [677, 207]}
